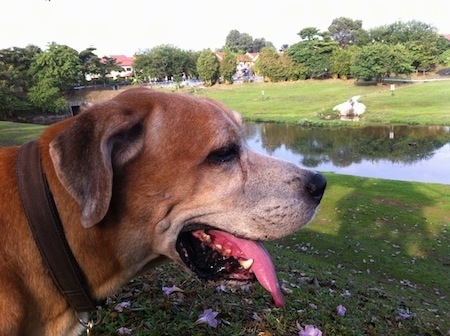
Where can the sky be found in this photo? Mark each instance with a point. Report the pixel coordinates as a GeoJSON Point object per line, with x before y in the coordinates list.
{"type": "Point", "coordinates": [127, 27]}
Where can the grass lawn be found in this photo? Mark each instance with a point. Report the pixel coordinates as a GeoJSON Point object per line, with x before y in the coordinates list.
{"type": "Point", "coordinates": [312, 102]}
{"type": "Point", "coordinates": [379, 248]}
{"type": "Point", "coordinates": [12, 134]}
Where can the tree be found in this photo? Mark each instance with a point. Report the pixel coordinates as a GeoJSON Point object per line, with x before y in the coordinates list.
{"type": "Point", "coordinates": [345, 31]}
{"type": "Point", "coordinates": [107, 65]}
{"type": "Point", "coordinates": [315, 55]}
{"type": "Point", "coordinates": [340, 62]}
{"type": "Point", "coordinates": [91, 64]}
{"type": "Point", "coordinates": [243, 43]}
{"type": "Point", "coordinates": [228, 65]}
{"type": "Point", "coordinates": [260, 43]}
{"type": "Point", "coordinates": [309, 33]}
{"type": "Point", "coordinates": [60, 65]}
{"type": "Point", "coordinates": [191, 63]}
{"type": "Point", "coordinates": [239, 43]}
{"type": "Point", "coordinates": [424, 54]}
{"type": "Point", "coordinates": [161, 62]}
{"type": "Point", "coordinates": [444, 59]}
{"type": "Point", "coordinates": [47, 96]}
{"type": "Point", "coordinates": [57, 71]}
{"type": "Point", "coordinates": [208, 67]}
{"type": "Point", "coordinates": [442, 44]}
{"type": "Point", "coordinates": [266, 64]}
{"type": "Point", "coordinates": [378, 60]}
{"type": "Point", "coordinates": [16, 79]}
{"type": "Point", "coordinates": [278, 67]}
{"type": "Point", "coordinates": [421, 40]}
{"type": "Point", "coordinates": [291, 70]}
{"type": "Point", "coordinates": [18, 62]}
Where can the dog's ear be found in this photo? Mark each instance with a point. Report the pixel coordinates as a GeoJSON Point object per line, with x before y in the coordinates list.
{"type": "Point", "coordinates": [100, 140]}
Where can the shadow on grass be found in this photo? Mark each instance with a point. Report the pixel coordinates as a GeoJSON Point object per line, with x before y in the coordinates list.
{"type": "Point", "coordinates": [387, 243]}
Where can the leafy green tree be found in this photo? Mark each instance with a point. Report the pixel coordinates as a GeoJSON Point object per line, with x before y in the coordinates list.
{"type": "Point", "coordinates": [47, 96]}
{"type": "Point", "coordinates": [208, 67]}
{"type": "Point", "coordinates": [266, 64]}
{"type": "Point", "coordinates": [424, 54]}
{"type": "Point", "coordinates": [107, 65]}
{"type": "Point", "coordinates": [309, 33]}
{"type": "Point", "coordinates": [228, 65]}
{"type": "Point", "coordinates": [421, 40]}
{"type": "Point", "coordinates": [59, 64]}
{"type": "Point", "coordinates": [276, 67]}
{"type": "Point", "coordinates": [291, 70]}
{"type": "Point", "coordinates": [18, 62]}
{"type": "Point", "coordinates": [57, 70]}
{"type": "Point", "coordinates": [15, 79]}
{"type": "Point", "coordinates": [442, 44]}
{"type": "Point", "coordinates": [190, 69]}
{"type": "Point", "coordinates": [243, 43]}
{"type": "Point", "coordinates": [260, 43]}
{"type": "Point", "coordinates": [91, 64]}
{"type": "Point", "coordinates": [378, 60]}
{"type": "Point", "coordinates": [239, 43]}
{"type": "Point", "coordinates": [164, 61]}
{"type": "Point", "coordinates": [341, 61]}
{"type": "Point", "coordinates": [444, 58]}
{"type": "Point", "coordinates": [315, 55]}
{"type": "Point", "coordinates": [345, 31]}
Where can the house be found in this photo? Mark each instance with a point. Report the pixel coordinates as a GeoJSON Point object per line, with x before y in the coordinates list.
{"type": "Point", "coordinates": [127, 65]}
{"type": "Point", "coordinates": [244, 62]}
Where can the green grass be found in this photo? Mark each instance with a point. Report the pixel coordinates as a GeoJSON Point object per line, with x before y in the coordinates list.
{"type": "Point", "coordinates": [380, 248]}
{"type": "Point", "coordinates": [311, 102]}
{"type": "Point", "coordinates": [14, 134]}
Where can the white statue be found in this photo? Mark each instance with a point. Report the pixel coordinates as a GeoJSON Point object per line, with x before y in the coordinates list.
{"type": "Point", "coordinates": [351, 107]}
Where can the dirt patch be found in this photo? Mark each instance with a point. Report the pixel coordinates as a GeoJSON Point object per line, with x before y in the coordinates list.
{"type": "Point", "coordinates": [96, 95]}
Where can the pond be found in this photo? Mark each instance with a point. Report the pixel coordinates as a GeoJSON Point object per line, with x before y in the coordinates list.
{"type": "Point", "coordinates": [407, 153]}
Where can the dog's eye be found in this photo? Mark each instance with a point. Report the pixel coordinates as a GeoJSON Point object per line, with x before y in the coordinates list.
{"type": "Point", "coordinates": [224, 154]}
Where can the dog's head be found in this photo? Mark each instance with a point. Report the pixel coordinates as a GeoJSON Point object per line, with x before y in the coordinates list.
{"type": "Point", "coordinates": [172, 173]}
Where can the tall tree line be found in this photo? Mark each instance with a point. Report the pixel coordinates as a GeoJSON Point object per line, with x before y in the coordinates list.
{"type": "Point", "coordinates": [35, 80]}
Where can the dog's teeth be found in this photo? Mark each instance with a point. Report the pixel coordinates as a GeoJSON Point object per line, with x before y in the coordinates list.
{"type": "Point", "coordinates": [246, 264]}
{"type": "Point", "coordinates": [206, 237]}
{"type": "Point", "coordinates": [227, 252]}
{"type": "Point", "coordinates": [218, 246]}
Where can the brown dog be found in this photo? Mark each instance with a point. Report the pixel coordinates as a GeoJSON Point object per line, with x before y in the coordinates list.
{"type": "Point", "coordinates": [138, 180]}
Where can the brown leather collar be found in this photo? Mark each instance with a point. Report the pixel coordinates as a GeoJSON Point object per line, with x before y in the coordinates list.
{"type": "Point", "coordinates": [48, 232]}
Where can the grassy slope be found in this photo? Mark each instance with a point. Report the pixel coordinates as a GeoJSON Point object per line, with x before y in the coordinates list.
{"type": "Point", "coordinates": [378, 247]}
{"type": "Point", "coordinates": [386, 242]}
{"type": "Point", "coordinates": [313, 101]}
{"type": "Point", "coordinates": [12, 134]}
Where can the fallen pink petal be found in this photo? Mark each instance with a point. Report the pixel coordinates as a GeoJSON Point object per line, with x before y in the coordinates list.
{"type": "Point", "coordinates": [170, 290]}
{"type": "Point", "coordinates": [340, 310]}
{"type": "Point", "coordinates": [121, 306]}
{"type": "Point", "coordinates": [124, 331]}
{"type": "Point", "coordinates": [208, 317]}
{"type": "Point", "coordinates": [310, 330]}
{"type": "Point", "coordinates": [222, 288]}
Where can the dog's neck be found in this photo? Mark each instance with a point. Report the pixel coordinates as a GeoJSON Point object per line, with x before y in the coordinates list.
{"type": "Point", "coordinates": [48, 232]}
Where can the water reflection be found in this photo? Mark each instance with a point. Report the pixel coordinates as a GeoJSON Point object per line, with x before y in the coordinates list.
{"type": "Point", "coordinates": [394, 152]}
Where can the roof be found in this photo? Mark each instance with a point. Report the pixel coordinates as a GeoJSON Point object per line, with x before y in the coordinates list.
{"type": "Point", "coordinates": [123, 60]}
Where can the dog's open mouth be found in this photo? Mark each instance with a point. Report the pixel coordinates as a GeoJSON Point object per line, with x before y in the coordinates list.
{"type": "Point", "coordinates": [218, 255]}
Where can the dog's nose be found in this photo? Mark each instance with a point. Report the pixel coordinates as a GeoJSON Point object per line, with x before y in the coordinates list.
{"type": "Point", "coordinates": [316, 185]}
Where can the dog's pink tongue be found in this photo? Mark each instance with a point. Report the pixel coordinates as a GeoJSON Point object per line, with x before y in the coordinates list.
{"type": "Point", "coordinates": [262, 267]}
